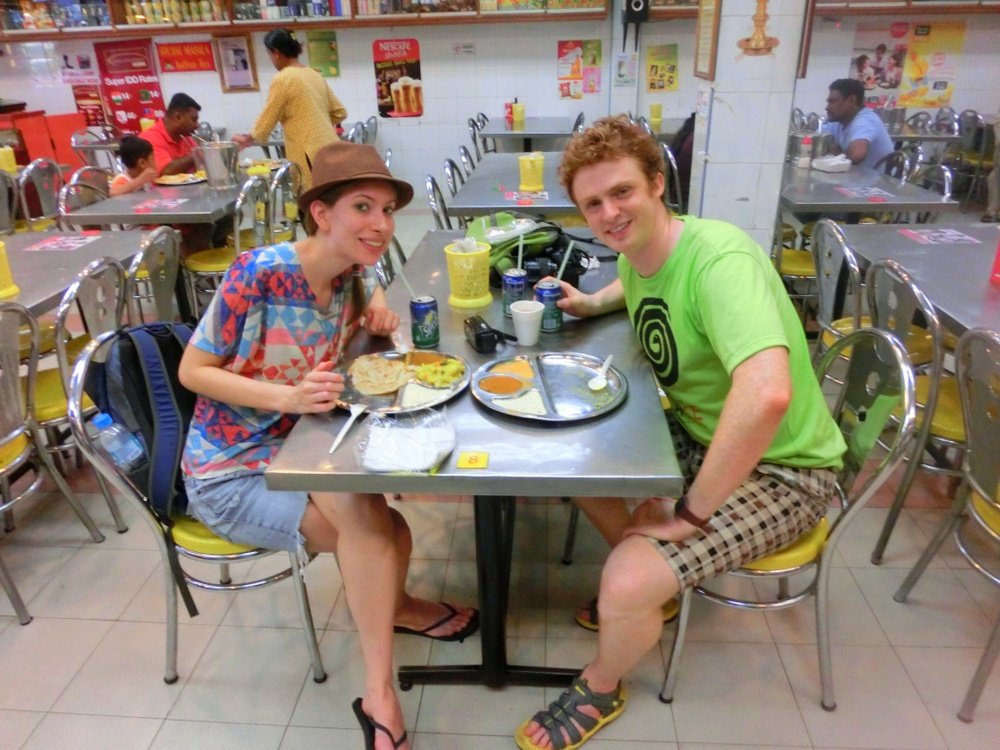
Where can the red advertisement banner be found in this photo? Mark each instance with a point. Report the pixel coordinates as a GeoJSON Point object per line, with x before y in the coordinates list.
{"type": "Point", "coordinates": [130, 86]}
{"type": "Point", "coordinates": [398, 86]}
{"type": "Point", "coordinates": [185, 57]}
{"type": "Point", "coordinates": [88, 102]}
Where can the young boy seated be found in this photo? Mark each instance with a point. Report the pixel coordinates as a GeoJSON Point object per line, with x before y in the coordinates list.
{"type": "Point", "coordinates": [136, 155]}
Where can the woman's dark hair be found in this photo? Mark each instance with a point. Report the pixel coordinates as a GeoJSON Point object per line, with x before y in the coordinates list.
{"type": "Point", "coordinates": [284, 42]}
{"type": "Point", "coordinates": [132, 148]}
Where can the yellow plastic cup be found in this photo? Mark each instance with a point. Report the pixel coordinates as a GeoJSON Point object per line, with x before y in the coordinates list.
{"type": "Point", "coordinates": [656, 111]}
{"type": "Point", "coordinates": [532, 172]}
{"type": "Point", "coordinates": [8, 288]}
{"type": "Point", "coordinates": [517, 114]}
{"type": "Point", "coordinates": [469, 276]}
{"type": "Point", "coordinates": [7, 161]}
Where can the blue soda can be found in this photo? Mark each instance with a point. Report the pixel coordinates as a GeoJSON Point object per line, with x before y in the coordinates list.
{"type": "Point", "coordinates": [515, 286]}
{"type": "Point", "coordinates": [424, 326]}
{"type": "Point", "coordinates": [548, 293]}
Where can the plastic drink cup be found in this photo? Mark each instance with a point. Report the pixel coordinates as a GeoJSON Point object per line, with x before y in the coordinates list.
{"type": "Point", "coordinates": [517, 114]}
{"type": "Point", "coordinates": [8, 288]}
{"type": "Point", "coordinates": [468, 276]}
{"type": "Point", "coordinates": [532, 171]}
{"type": "Point", "coordinates": [526, 315]}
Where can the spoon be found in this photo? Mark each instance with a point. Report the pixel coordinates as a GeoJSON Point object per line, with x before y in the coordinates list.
{"type": "Point", "coordinates": [356, 411]}
{"type": "Point", "coordinates": [599, 382]}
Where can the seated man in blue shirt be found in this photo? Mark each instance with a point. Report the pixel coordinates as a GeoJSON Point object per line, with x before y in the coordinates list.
{"type": "Point", "coordinates": [857, 131]}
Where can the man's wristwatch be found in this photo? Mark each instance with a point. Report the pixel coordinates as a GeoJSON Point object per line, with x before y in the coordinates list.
{"type": "Point", "coordinates": [682, 512]}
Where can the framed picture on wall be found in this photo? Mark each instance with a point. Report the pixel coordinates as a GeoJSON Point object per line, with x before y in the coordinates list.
{"type": "Point", "coordinates": [234, 60]}
{"type": "Point", "coordinates": [706, 38]}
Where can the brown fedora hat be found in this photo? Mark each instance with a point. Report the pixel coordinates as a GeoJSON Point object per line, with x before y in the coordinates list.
{"type": "Point", "coordinates": [343, 161]}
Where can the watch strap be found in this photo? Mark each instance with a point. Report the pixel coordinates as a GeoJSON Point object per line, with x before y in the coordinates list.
{"type": "Point", "coordinates": [684, 513]}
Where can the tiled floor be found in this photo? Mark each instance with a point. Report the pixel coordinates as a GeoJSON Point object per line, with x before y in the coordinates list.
{"type": "Point", "coordinates": [87, 672]}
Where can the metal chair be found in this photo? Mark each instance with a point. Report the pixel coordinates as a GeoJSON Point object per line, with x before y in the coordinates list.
{"type": "Point", "coordinates": [895, 164]}
{"type": "Point", "coordinates": [798, 119]}
{"type": "Point", "coordinates": [42, 181]}
{"type": "Point", "coordinates": [102, 141]}
{"type": "Point", "coordinates": [937, 178]}
{"type": "Point", "coordinates": [356, 134]}
{"type": "Point", "coordinates": [976, 507]}
{"type": "Point", "coordinates": [672, 196]}
{"type": "Point", "coordinates": [22, 452]}
{"type": "Point", "coordinates": [435, 199]}
{"type": "Point", "coordinates": [283, 194]}
{"type": "Point", "coordinates": [896, 303]}
{"type": "Point", "coordinates": [204, 270]}
{"type": "Point", "coordinates": [453, 176]}
{"type": "Point", "coordinates": [482, 119]}
{"type": "Point", "coordinates": [814, 122]}
{"type": "Point", "coordinates": [186, 537]}
{"type": "Point", "coordinates": [371, 129]}
{"type": "Point", "coordinates": [578, 124]}
{"type": "Point", "coordinates": [489, 144]}
{"type": "Point", "coordinates": [920, 121]}
{"type": "Point", "coordinates": [643, 123]}
{"type": "Point", "coordinates": [95, 177]}
{"type": "Point", "coordinates": [8, 203]}
{"type": "Point", "coordinates": [391, 262]}
{"type": "Point", "coordinates": [878, 379]}
{"type": "Point", "coordinates": [204, 132]}
{"type": "Point", "coordinates": [466, 158]}
{"type": "Point", "coordinates": [975, 153]}
{"type": "Point", "coordinates": [73, 197]}
{"type": "Point", "coordinates": [838, 286]}
{"type": "Point", "coordinates": [388, 158]}
{"type": "Point", "coordinates": [474, 135]}
{"type": "Point", "coordinates": [151, 278]}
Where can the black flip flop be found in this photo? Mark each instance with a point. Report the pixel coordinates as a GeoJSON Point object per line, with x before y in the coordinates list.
{"type": "Point", "coordinates": [369, 726]}
{"type": "Point", "coordinates": [471, 627]}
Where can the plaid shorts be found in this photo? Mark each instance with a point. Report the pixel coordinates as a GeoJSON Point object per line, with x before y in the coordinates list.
{"type": "Point", "coordinates": [773, 506]}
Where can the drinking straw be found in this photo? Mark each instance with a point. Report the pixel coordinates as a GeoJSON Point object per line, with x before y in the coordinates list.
{"type": "Point", "coordinates": [399, 273]}
{"type": "Point", "coordinates": [520, 249]}
{"type": "Point", "coordinates": [562, 266]}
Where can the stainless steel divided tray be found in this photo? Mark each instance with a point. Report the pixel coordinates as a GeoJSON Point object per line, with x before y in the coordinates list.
{"type": "Point", "coordinates": [411, 396]}
{"type": "Point", "coordinates": [550, 387]}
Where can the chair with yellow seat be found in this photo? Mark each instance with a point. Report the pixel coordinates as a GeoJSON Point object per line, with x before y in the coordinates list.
{"type": "Point", "coordinates": [974, 516]}
{"type": "Point", "coordinates": [203, 271]}
{"type": "Point", "coordinates": [878, 380]}
{"type": "Point", "coordinates": [283, 193]}
{"type": "Point", "coordinates": [179, 536]}
{"type": "Point", "coordinates": [21, 450]}
{"type": "Point", "coordinates": [151, 278]}
{"type": "Point", "coordinates": [74, 196]}
{"type": "Point", "coordinates": [39, 184]}
{"type": "Point", "coordinates": [896, 303]}
{"type": "Point", "coordinates": [798, 272]}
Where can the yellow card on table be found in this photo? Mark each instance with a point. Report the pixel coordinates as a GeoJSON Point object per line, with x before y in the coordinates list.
{"type": "Point", "coordinates": [473, 460]}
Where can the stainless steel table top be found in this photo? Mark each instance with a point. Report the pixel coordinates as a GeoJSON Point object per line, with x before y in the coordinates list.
{"type": "Point", "coordinates": [199, 204]}
{"type": "Point", "coordinates": [953, 274]}
{"type": "Point", "coordinates": [812, 191]}
{"type": "Point", "coordinates": [627, 452]}
{"type": "Point", "coordinates": [495, 181]}
{"type": "Point", "coordinates": [43, 275]}
{"type": "Point", "coordinates": [533, 127]}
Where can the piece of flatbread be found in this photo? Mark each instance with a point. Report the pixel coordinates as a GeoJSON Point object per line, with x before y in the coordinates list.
{"type": "Point", "coordinates": [372, 375]}
{"type": "Point", "coordinates": [173, 179]}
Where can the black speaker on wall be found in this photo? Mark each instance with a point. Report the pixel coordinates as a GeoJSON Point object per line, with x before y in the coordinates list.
{"type": "Point", "coordinates": [634, 12]}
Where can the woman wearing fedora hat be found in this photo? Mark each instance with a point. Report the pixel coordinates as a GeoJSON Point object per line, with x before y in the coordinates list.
{"type": "Point", "coordinates": [264, 353]}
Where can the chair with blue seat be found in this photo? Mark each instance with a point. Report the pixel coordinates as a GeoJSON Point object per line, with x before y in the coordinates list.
{"type": "Point", "coordinates": [976, 507]}
{"type": "Point", "coordinates": [897, 305]}
{"type": "Point", "coordinates": [878, 380]}
{"type": "Point", "coordinates": [22, 452]}
{"type": "Point", "coordinates": [178, 536]}
{"type": "Point", "coordinates": [39, 185]}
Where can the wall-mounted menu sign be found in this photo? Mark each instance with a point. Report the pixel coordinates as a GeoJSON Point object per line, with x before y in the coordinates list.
{"type": "Point", "coordinates": [706, 38]}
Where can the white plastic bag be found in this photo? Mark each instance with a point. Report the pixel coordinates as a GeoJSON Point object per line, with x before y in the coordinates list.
{"type": "Point", "coordinates": [416, 442]}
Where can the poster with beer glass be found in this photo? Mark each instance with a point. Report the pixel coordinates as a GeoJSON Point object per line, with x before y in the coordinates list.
{"type": "Point", "coordinates": [398, 86]}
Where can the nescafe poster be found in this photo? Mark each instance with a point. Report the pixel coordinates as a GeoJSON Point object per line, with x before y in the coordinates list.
{"type": "Point", "coordinates": [398, 86]}
{"type": "Point", "coordinates": [130, 86]}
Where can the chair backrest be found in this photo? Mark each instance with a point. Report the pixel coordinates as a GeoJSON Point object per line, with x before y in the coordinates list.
{"type": "Point", "coordinates": [838, 276]}
{"type": "Point", "coordinates": [578, 124]}
{"type": "Point", "coordinates": [371, 129]}
{"type": "Point", "coordinates": [388, 158]}
{"type": "Point", "coordinates": [453, 176]}
{"type": "Point", "coordinates": [357, 133]}
{"type": "Point", "coordinates": [643, 123]}
{"type": "Point", "coordinates": [878, 382]}
{"type": "Point", "coordinates": [435, 199]}
{"type": "Point", "coordinates": [204, 131]}
{"type": "Point", "coordinates": [970, 126]}
{"type": "Point", "coordinates": [40, 179]}
{"type": "Point", "coordinates": [919, 120]}
{"type": "Point", "coordinates": [73, 197]}
{"type": "Point", "coordinates": [156, 265]}
{"type": "Point", "coordinates": [253, 203]}
{"type": "Point", "coordinates": [474, 135]}
{"type": "Point", "coordinates": [798, 119]}
{"type": "Point", "coordinates": [391, 262]}
{"type": "Point", "coordinates": [977, 357]}
{"type": "Point", "coordinates": [895, 164]}
{"type": "Point", "coordinates": [482, 119]}
{"type": "Point", "coordinates": [8, 202]}
{"type": "Point", "coordinates": [95, 177]}
{"type": "Point", "coordinates": [489, 144]}
{"type": "Point", "coordinates": [945, 113]}
{"type": "Point", "coordinates": [16, 411]}
{"type": "Point", "coordinates": [466, 158]}
{"type": "Point", "coordinates": [98, 295]}
{"type": "Point", "coordinates": [814, 122]}
{"type": "Point", "coordinates": [672, 192]}
{"type": "Point", "coordinates": [945, 123]}
{"type": "Point", "coordinates": [937, 178]}
{"type": "Point", "coordinates": [283, 190]}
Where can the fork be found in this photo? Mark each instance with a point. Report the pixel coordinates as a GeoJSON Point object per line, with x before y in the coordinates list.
{"type": "Point", "coordinates": [356, 411]}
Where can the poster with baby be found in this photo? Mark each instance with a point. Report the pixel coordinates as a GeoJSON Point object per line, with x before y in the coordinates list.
{"type": "Point", "coordinates": [931, 63]}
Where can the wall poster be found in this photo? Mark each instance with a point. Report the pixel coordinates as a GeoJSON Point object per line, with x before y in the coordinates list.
{"type": "Point", "coordinates": [130, 87]}
{"type": "Point", "coordinates": [661, 68]}
{"type": "Point", "coordinates": [398, 86]}
{"type": "Point", "coordinates": [324, 57]}
{"type": "Point", "coordinates": [185, 57]}
{"type": "Point", "coordinates": [578, 64]}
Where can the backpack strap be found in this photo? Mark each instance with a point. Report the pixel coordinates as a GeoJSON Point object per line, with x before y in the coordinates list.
{"type": "Point", "coordinates": [168, 439]}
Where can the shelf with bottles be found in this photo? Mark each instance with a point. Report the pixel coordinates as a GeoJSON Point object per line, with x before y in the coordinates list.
{"type": "Point", "coordinates": [26, 15]}
{"type": "Point", "coordinates": [289, 10]}
{"type": "Point", "coordinates": [374, 8]}
{"type": "Point", "coordinates": [169, 12]}
{"type": "Point", "coordinates": [538, 6]}
{"type": "Point", "coordinates": [668, 9]}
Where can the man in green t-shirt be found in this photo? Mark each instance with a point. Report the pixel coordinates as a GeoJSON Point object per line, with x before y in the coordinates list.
{"type": "Point", "coordinates": [752, 431]}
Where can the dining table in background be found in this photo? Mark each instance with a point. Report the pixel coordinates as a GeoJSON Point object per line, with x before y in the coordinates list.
{"type": "Point", "coordinates": [533, 127]}
{"type": "Point", "coordinates": [908, 134]}
{"type": "Point", "coordinates": [858, 190]}
{"type": "Point", "coordinates": [44, 264]}
{"type": "Point", "coordinates": [625, 452]}
{"type": "Point", "coordinates": [183, 204]}
{"type": "Point", "coordinates": [951, 263]}
{"type": "Point", "coordinates": [495, 186]}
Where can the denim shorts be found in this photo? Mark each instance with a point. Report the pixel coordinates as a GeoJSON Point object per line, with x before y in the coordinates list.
{"type": "Point", "coordinates": [240, 508]}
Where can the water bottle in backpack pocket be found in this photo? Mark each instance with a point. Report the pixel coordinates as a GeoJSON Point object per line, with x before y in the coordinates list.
{"type": "Point", "coordinates": [121, 445]}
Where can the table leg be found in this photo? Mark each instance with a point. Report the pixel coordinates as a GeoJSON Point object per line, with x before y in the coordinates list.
{"type": "Point", "coordinates": [494, 521]}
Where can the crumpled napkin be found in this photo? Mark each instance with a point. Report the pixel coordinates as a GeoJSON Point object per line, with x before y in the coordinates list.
{"type": "Point", "coordinates": [832, 163]}
{"type": "Point", "coordinates": [393, 447]}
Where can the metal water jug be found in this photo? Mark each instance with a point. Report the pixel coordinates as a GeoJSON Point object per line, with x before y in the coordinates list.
{"type": "Point", "coordinates": [220, 162]}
